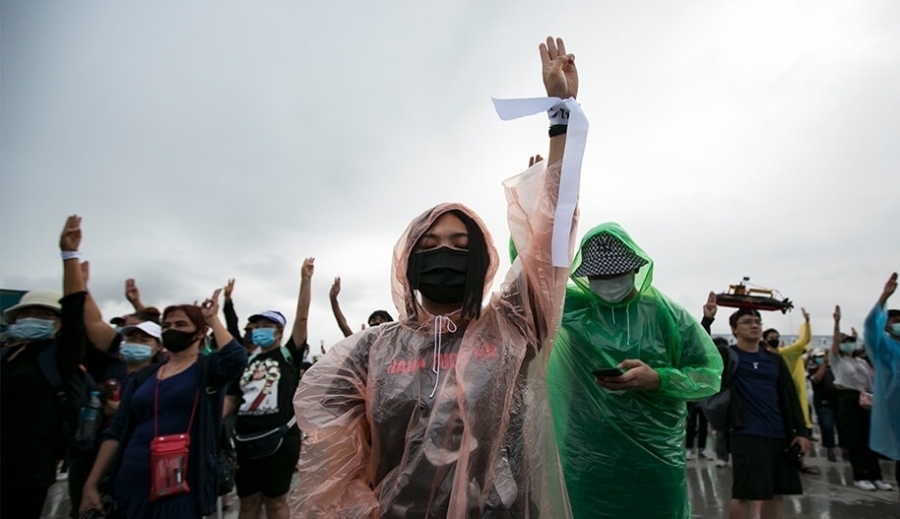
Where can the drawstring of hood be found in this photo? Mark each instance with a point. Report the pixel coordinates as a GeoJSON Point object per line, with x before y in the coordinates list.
{"type": "Point", "coordinates": [438, 342]}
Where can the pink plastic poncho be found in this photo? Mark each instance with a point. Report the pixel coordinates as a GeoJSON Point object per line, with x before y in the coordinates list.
{"type": "Point", "coordinates": [379, 445]}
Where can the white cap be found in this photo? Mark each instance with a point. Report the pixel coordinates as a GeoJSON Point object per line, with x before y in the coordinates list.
{"type": "Point", "coordinates": [149, 327]}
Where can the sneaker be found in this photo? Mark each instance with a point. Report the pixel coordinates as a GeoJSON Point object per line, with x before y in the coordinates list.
{"type": "Point", "coordinates": [704, 455]}
{"type": "Point", "coordinates": [688, 454]}
{"type": "Point", "coordinates": [864, 485]}
{"type": "Point", "coordinates": [831, 455]}
{"type": "Point", "coordinates": [721, 463]}
{"type": "Point", "coordinates": [881, 485]}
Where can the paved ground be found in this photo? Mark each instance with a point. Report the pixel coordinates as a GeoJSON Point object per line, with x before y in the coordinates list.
{"type": "Point", "coordinates": [826, 496]}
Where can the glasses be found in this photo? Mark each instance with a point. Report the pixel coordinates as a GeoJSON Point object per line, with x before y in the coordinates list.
{"type": "Point", "coordinates": [750, 322]}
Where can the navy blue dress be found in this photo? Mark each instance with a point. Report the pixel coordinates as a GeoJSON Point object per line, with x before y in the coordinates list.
{"type": "Point", "coordinates": [176, 399]}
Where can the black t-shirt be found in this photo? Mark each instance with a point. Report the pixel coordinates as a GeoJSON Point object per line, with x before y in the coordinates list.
{"type": "Point", "coordinates": [266, 390]}
{"type": "Point", "coordinates": [824, 392]}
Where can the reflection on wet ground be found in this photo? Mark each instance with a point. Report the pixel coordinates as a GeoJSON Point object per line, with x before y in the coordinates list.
{"type": "Point", "coordinates": [830, 495]}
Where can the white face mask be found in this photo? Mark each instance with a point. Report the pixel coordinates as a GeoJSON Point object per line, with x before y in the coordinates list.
{"type": "Point", "coordinates": [615, 289]}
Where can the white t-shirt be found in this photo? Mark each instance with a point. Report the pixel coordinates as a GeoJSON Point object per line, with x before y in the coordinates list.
{"type": "Point", "coordinates": [851, 372]}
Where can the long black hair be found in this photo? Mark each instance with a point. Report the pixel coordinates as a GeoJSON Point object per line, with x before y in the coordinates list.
{"type": "Point", "coordinates": [476, 270]}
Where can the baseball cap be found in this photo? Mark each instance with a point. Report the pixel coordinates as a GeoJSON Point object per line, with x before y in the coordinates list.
{"type": "Point", "coordinates": [272, 315]}
{"type": "Point", "coordinates": [149, 327]}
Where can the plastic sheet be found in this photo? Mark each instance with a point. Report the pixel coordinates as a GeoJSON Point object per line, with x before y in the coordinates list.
{"type": "Point", "coordinates": [623, 451]}
{"type": "Point", "coordinates": [379, 446]}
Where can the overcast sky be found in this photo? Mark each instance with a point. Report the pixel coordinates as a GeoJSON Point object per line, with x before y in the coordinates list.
{"type": "Point", "coordinates": [208, 140]}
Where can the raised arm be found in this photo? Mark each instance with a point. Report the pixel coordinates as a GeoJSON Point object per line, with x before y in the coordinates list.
{"type": "Point", "coordinates": [876, 320]}
{"type": "Point", "coordinates": [533, 199]}
{"type": "Point", "coordinates": [300, 331]}
{"type": "Point", "coordinates": [836, 338]}
{"type": "Point", "coordinates": [232, 323]}
{"type": "Point", "coordinates": [133, 295]}
{"type": "Point", "coordinates": [799, 347]}
{"type": "Point", "coordinates": [336, 308]}
{"type": "Point", "coordinates": [710, 308]}
{"type": "Point", "coordinates": [229, 360]}
{"type": "Point", "coordinates": [100, 334]}
{"type": "Point", "coordinates": [72, 335]}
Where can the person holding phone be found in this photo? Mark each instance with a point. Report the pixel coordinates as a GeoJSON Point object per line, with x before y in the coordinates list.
{"type": "Point", "coordinates": [625, 361]}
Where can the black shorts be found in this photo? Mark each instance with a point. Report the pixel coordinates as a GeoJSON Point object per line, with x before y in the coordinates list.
{"type": "Point", "coordinates": [270, 475]}
{"type": "Point", "coordinates": [761, 469]}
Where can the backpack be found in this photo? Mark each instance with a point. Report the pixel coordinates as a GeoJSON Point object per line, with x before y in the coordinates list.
{"type": "Point", "coordinates": [716, 407]}
{"type": "Point", "coordinates": [71, 397]}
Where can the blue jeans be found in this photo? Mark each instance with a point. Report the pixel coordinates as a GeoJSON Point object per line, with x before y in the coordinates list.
{"type": "Point", "coordinates": [827, 417]}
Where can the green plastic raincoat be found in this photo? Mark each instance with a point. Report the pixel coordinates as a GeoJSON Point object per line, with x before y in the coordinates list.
{"type": "Point", "coordinates": [623, 451]}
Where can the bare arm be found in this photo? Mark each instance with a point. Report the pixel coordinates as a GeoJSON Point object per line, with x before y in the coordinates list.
{"type": "Point", "coordinates": [836, 341]}
{"type": "Point", "coordinates": [133, 294]}
{"type": "Point", "coordinates": [99, 333]}
{"type": "Point", "coordinates": [91, 497]}
{"type": "Point", "coordinates": [820, 373]}
{"type": "Point", "coordinates": [301, 320]}
{"type": "Point", "coordinates": [336, 308]}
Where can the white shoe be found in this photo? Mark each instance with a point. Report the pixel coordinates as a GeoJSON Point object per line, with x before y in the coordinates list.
{"type": "Point", "coordinates": [864, 485]}
{"type": "Point", "coordinates": [688, 454]}
{"type": "Point", "coordinates": [881, 485]}
{"type": "Point", "coordinates": [704, 455]}
{"type": "Point", "coordinates": [721, 463]}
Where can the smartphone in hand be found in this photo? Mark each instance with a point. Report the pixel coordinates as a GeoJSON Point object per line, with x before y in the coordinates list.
{"type": "Point", "coordinates": [608, 372]}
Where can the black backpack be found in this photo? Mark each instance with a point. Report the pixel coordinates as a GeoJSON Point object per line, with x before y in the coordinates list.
{"type": "Point", "coordinates": [71, 397]}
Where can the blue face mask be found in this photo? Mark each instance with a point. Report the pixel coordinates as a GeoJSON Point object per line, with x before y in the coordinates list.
{"type": "Point", "coordinates": [263, 337]}
{"type": "Point", "coordinates": [848, 347]}
{"type": "Point", "coordinates": [134, 352]}
{"type": "Point", "coordinates": [32, 329]}
{"type": "Point", "coordinates": [895, 329]}
{"type": "Point", "coordinates": [819, 361]}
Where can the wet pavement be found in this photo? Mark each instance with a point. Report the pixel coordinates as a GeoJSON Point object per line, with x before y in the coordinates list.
{"type": "Point", "coordinates": [830, 495]}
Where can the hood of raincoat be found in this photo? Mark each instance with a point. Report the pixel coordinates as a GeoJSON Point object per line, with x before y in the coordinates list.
{"type": "Point", "coordinates": [643, 279]}
{"type": "Point", "coordinates": [403, 295]}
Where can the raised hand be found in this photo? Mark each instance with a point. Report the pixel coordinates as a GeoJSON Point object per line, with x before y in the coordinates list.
{"type": "Point", "coordinates": [854, 333]}
{"type": "Point", "coordinates": [805, 314]}
{"type": "Point", "coordinates": [229, 288]}
{"type": "Point", "coordinates": [560, 74]}
{"type": "Point", "coordinates": [70, 238]}
{"type": "Point", "coordinates": [335, 288]}
{"type": "Point", "coordinates": [210, 307]}
{"type": "Point", "coordinates": [132, 293]}
{"type": "Point", "coordinates": [837, 313]}
{"type": "Point", "coordinates": [306, 271]}
{"type": "Point", "coordinates": [889, 288]}
{"type": "Point", "coordinates": [534, 160]}
{"type": "Point", "coordinates": [710, 307]}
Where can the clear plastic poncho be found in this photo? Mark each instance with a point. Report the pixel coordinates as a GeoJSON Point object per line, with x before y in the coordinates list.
{"type": "Point", "coordinates": [623, 451]}
{"type": "Point", "coordinates": [379, 445]}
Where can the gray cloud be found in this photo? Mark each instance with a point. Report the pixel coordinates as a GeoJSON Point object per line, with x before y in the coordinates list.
{"type": "Point", "coordinates": [202, 142]}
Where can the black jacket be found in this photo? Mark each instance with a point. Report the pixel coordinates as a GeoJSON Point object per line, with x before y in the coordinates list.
{"type": "Point", "coordinates": [788, 402]}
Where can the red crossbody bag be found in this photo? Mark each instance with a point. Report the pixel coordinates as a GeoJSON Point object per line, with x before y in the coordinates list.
{"type": "Point", "coordinates": [169, 455]}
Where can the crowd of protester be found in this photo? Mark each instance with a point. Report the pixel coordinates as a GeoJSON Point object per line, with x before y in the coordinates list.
{"type": "Point", "coordinates": [578, 389]}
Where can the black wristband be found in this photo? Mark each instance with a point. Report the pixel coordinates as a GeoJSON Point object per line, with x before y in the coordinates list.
{"type": "Point", "coordinates": [558, 129]}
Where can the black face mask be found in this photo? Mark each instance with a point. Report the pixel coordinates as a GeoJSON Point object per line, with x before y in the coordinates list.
{"type": "Point", "coordinates": [440, 274]}
{"type": "Point", "coordinates": [176, 340]}
{"type": "Point", "coordinates": [774, 342]}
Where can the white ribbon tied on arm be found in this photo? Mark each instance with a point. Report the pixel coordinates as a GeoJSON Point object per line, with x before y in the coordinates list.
{"type": "Point", "coordinates": [570, 172]}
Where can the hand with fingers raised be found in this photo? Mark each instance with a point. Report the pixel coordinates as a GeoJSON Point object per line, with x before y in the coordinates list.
{"type": "Point", "coordinates": [560, 74]}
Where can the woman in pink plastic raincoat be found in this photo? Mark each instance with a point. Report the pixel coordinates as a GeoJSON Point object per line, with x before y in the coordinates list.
{"type": "Point", "coordinates": [444, 413]}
